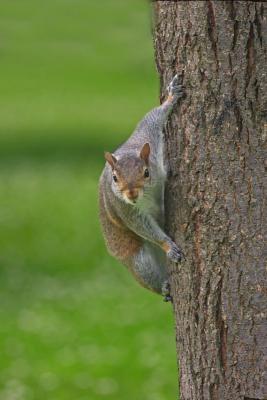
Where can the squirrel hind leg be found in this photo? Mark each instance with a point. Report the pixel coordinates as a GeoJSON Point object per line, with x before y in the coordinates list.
{"type": "Point", "coordinates": [149, 268]}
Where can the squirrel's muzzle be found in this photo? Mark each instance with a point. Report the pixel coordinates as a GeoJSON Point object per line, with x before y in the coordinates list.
{"type": "Point", "coordinates": [132, 195]}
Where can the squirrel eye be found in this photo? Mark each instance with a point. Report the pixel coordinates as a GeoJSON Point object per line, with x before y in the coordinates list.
{"type": "Point", "coordinates": [146, 173]}
{"type": "Point", "coordinates": [115, 179]}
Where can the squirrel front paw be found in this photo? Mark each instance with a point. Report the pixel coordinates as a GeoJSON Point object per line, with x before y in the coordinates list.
{"type": "Point", "coordinates": [175, 89]}
{"type": "Point", "coordinates": [174, 253]}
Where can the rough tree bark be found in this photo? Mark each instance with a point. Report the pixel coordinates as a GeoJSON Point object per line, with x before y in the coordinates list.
{"type": "Point", "coordinates": [215, 197]}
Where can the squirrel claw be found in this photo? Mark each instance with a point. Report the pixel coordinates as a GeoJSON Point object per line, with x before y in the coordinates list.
{"type": "Point", "coordinates": [175, 254]}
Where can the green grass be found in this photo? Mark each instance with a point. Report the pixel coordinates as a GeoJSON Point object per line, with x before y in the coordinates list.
{"type": "Point", "coordinates": [74, 324]}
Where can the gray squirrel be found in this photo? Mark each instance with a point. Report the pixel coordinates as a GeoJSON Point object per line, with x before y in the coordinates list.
{"type": "Point", "coordinates": [131, 199]}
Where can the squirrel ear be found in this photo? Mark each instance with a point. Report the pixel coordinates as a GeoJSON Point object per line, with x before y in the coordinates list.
{"type": "Point", "coordinates": [144, 153]}
{"type": "Point", "coordinates": [111, 159]}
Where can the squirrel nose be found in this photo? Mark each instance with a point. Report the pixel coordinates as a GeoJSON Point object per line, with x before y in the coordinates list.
{"type": "Point", "coordinates": [132, 194]}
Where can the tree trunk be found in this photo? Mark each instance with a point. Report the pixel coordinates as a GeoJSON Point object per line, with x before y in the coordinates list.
{"type": "Point", "coordinates": [215, 196]}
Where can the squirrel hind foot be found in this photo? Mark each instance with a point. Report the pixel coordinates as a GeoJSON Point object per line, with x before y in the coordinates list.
{"type": "Point", "coordinates": [175, 89]}
{"type": "Point", "coordinates": [166, 299]}
{"type": "Point", "coordinates": [166, 292]}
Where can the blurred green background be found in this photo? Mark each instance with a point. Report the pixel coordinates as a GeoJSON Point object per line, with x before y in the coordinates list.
{"type": "Point", "coordinates": [75, 78]}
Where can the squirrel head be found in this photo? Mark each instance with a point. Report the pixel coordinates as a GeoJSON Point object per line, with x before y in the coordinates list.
{"type": "Point", "coordinates": [130, 174]}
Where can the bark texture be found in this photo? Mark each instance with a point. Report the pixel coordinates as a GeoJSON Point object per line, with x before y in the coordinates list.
{"type": "Point", "coordinates": [216, 146]}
